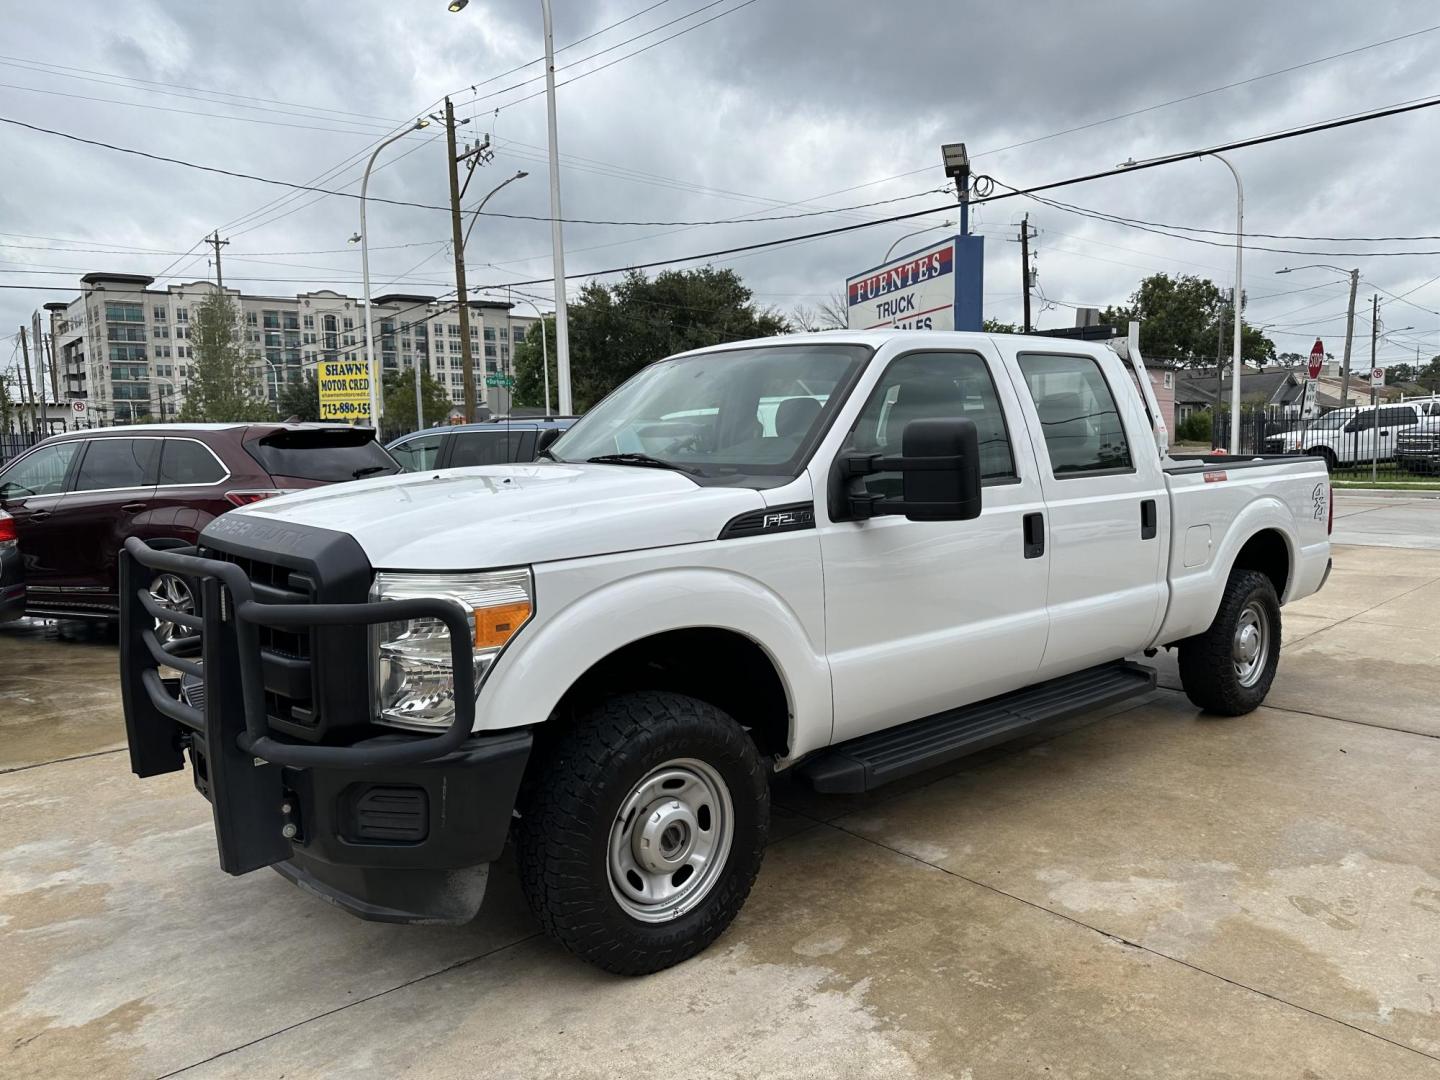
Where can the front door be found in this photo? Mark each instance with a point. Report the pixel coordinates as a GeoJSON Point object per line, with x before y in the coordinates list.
{"type": "Point", "coordinates": [924, 616]}
{"type": "Point", "coordinates": [30, 491]}
{"type": "Point", "coordinates": [1107, 506]}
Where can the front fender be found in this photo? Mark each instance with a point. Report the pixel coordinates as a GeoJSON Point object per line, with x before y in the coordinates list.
{"type": "Point", "coordinates": [549, 656]}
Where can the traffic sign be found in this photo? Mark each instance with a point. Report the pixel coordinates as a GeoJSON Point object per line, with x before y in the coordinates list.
{"type": "Point", "coordinates": [507, 381]}
{"type": "Point", "coordinates": [78, 407]}
{"type": "Point", "coordinates": [1377, 378]}
{"type": "Point", "coordinates": [1317, 360]}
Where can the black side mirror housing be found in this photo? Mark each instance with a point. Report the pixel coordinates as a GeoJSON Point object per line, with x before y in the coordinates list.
{"type": "Point", "coordinates": [547, 439]}
{"type": "Point", "coordinates": [939, 467]}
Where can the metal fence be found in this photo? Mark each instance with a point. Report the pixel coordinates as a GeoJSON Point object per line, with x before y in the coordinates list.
{"type": "Point", "coordinates": [1395, 442]}
{"type": "Point", "coordinates": [13, 445]}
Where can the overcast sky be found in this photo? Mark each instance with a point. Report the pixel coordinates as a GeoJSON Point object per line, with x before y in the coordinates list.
{"type": "Point", "coordinates": [775, 107]}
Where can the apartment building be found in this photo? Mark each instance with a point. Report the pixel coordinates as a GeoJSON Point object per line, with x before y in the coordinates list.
{"type": "Point", "coordinates": [124, 347]}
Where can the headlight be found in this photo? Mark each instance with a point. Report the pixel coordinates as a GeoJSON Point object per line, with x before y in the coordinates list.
{"type": "Point", "coordinates": [414, 683]}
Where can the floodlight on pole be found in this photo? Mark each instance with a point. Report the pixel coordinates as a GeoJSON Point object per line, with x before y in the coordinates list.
{"type": "Point", "coordinates": [957, 168]}
{"type": "Point", "coordinates": [458, 5]}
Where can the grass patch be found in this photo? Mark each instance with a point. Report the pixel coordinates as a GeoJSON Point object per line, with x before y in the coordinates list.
{"type": "Point", "coordinates": [1386, 485]}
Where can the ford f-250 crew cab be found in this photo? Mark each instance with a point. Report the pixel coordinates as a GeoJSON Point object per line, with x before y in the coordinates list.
{"type": "Point", "coordinates": [851, 555]}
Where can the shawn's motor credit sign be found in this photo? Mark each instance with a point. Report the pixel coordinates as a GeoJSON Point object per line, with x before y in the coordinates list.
{"type": "Point", "coordinates": [345, 390]}
{"type": "Point", "coordinates": [935, 288]}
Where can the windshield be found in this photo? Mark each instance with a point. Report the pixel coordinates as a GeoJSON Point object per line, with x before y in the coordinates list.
{"type": "Point", "coordinates": [325, 454]}
{"type": "Point", "coordinates": [739, 411]}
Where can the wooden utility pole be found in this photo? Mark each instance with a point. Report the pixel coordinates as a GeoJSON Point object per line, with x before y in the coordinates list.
{"type": "Point", "coordinates": [1025, 267]}
{"type": "Point", "coordinates": [29, 383]}
{"type": "Point", "coordinates": [214, 241]}
{"type": "Point", "coordinates": [467, 356]}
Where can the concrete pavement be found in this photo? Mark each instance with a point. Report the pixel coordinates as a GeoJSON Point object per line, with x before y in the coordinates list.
{"type": "Point", "coordinates": [1148, 892]}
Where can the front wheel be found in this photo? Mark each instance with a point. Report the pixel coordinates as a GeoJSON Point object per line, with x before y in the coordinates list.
{"type": "Point", "coordinates": [644, 831]}
{"type": "Point", "coordinates": [1229, 668]}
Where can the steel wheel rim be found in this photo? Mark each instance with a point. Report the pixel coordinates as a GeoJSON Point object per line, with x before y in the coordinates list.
{"type": "Point", "coordinates": [670, 840]}
{"type": "Point", "coordinates": [172, 594]}
{"type": "Point", "coordinates": [1250, 646]}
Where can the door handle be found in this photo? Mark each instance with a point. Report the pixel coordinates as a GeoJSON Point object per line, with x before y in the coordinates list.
{"type": "Point", "coordinates": [1148, 520]}
{"type": "Point", "coordinates": [133, 508]}
{"type": "Point", "coordinates": [1034, 534]}
{"type": "Point", "coordinates": [40, 515]}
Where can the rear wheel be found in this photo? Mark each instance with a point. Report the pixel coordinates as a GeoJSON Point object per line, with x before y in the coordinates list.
{"type": "Point", "coordinates": [1229, 668]}
{"type": "Point", "coordinates": [644, 831]}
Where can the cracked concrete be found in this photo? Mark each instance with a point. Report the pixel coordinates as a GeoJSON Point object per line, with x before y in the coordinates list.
{"type": "Point", "coordinates": [1144, 891]}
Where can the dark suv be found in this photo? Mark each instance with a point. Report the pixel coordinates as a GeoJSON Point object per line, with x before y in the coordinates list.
{"type": "Point", "coordinates": [76, 497]}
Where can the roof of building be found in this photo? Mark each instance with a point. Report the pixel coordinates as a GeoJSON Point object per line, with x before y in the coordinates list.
{"type": "Point", "coordinates": [128, 279]}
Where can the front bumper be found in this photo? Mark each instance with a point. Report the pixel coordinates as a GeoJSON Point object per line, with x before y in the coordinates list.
{"type": "Point", "coordinates": [1420, 458]}
{"type": "Point", "coordinates": [395, 827]}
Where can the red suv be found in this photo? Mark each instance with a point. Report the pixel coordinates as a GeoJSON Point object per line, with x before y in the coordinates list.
{"type": "Point", "coordinates": [76, 497]}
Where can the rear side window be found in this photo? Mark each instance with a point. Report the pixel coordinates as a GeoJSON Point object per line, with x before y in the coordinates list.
{"type": "Point", "coordinates": [1397, 416]}
{"type": "Point", "coordinates": [186, 462]}
{"type": "Point", "coordinates": [1078, 415]}
{"type": "Point", "coordinates": [117, 463]}
{"type": "Point", "coordinates": [498, 447]}
{"type": "Point", "coordinates": [324, 454]}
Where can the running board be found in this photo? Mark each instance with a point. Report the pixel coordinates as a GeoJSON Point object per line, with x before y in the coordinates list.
{"type": "Point", "coordinates": [865, 763]}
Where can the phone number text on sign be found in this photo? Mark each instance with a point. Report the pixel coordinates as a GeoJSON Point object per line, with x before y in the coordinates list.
{"type": "Point", "coordinates": [344, 390]}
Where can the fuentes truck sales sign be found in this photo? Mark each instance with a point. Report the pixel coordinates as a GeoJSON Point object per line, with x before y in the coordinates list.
{"type": "Point", "coordinates": [936, 288]}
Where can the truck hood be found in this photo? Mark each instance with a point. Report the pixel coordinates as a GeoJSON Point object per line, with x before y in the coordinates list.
{"type": "Point", "coordinates": [509, 515]}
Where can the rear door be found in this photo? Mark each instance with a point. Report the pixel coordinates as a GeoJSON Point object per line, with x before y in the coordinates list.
{"type": "Point", "coordinates": [952, 611]}
{"type": "Point", "coordinates": [189, 491]}
{"type": "Point", "coordinates": [1107, 507]}
{"type": "Point", "coordinates": [30, 491]}
{"type": "Point", "coordinates": [1392, 420]}
{"type": "Point", "coordinates": [113, 488]}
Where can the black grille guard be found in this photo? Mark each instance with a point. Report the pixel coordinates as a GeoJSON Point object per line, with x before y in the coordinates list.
{"type": "Point", "coordinates": [226, 636]}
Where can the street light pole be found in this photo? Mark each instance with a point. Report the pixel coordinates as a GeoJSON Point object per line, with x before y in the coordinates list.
{"type": "Point", "coordinates": [1354, 276]}
{"type": "Point", "coordinates": [544, 352]}
{"type": "Point", "coordinates": [365, 272]}
{"type": "Point", "coordinates": [918, 232]}
{"type": "Point", "coordinates": [557, 237]}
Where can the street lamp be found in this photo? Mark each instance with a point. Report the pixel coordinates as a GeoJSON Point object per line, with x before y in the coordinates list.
{"type": "Point", "coordinates": [1236, 315]}
{"type": "Point", "coordinates": [275, 379]}
{"type": "Point", "coordinates": [364, 236]}
{"type": "Point", "coordinates": [1354, 276]}
{"type": "Point", "coordinates": [544, 351]}
{"type": "Point", "coordinates": [557, 233]}
{"type": "Point", "coordinates": [947, 223]}
{"type": "Point", "coordinates": [458, 5]}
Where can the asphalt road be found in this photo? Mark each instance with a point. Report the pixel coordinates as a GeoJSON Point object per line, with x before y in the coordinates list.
{"type": "Point", "coordinates": [1150, 892]}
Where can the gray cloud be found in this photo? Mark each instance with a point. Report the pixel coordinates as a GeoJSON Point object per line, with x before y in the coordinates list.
{"type": "Point", "coordinates": [785, 100]}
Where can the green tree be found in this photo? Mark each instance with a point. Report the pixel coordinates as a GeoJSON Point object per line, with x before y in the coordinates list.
{"type": "Point", "coordinates": [1429, 375]}
{"type": "Point", "coordinates": [399, 390]}
{"type": "Point", "coordinates": [300, 398]}
{"type": "Point", "coordinates": [615, 330]}
{"type": "Point", "coordinates": [222, 388]}
{"type": "Point", "coordinates": [995, 326]}
{"type": "Point", "coordinates": [1180, 320]}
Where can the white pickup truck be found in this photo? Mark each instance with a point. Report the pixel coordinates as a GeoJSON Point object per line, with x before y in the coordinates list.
{"type": "Point", "coordinates": [852, 556]}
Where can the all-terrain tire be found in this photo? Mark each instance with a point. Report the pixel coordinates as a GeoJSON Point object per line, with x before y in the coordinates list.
{"type": "Point", "coordinates": [565, 832]}
{"type": "Point", "coordinates": [1211, 672]}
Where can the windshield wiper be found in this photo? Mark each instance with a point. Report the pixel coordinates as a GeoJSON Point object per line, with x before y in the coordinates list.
{"type": "Point", "coordinates": [641, 459]}
{"type": "Point", "coordinates": [368, 470]}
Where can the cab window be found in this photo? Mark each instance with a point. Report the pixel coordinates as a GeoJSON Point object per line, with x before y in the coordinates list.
{"type": "Point", "coordinates": [925, 386]}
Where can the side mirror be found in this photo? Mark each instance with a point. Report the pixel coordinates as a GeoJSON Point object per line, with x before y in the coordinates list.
{"type": "Point", "coordinates": [547, 439]}
{"type": "Point", "coordinates": [939, 469]}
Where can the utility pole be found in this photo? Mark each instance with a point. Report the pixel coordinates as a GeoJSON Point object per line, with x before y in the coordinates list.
{"type": "Point", "coordinates": [1374, 412]}
{"type": "Point", "coordinates": [557, 238]}
{"type": "Point", "coordinates": [1025, 267]}
{"type": "Point", "coordinates": [214, 241]}
{"type": "Point", "coordinates": [29, 382]}
{"type": "Point", "coordinates": [454, 157]}
{"type": "Point", "coordinates": [1349, 336]}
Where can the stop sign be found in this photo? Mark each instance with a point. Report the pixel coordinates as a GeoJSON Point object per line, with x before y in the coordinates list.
{"type": "Point", "coordinates": [1317, 359]}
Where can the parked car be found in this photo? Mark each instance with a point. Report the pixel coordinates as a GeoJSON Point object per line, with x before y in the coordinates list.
{"type": "Point", "coordinates": [1418, 448]}
{"type": "Point", "coordinates": [493, 442]}
{"type": "Point", "coordinates": [934, 542]}
{"type": "Point", "coordinates": [12, 576]}
{"type": "Point", "coordinates": [76, 497]}
{"type": "Point", "coordinates": [1358, 434]}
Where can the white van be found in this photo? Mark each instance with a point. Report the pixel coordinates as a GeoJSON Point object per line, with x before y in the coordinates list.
{"type": "Point", "coordinates": [1357, 434]}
